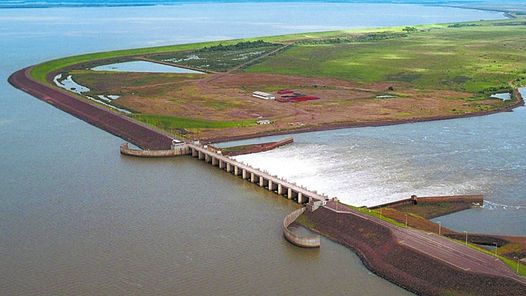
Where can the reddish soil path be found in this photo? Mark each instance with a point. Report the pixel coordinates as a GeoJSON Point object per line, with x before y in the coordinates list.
{"type": "Point", "coordinates": [422, 262]}
{"type": "Point", "coordinates": [116, 124]}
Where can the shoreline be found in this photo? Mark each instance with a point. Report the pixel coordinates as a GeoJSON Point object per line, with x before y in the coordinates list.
{"type": "Point", "coordinates": [122, 126]}
{"type": "Point", "coordinates": [335, 126]}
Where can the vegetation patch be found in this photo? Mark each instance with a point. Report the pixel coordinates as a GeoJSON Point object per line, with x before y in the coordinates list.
{"type": "Point", "coordinates": [461, 57]}
{"type": "Point", "coordinates": [220, 58]}
{"type": "Point", "coordinates": [179, 124]}
{"type": "Point", "coordinates": [349, 38]}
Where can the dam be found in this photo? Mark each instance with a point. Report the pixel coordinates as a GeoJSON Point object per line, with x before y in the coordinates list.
{"type": "Point", "coordinates": [273, 183]}
{"type": "Point", "coordinates": [214, 157]}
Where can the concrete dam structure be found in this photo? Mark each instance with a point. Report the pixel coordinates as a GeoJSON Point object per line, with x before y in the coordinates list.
{"type": "Point", "coordinates": [175, 151]}
{"type": "Point", "coordinates": [273, 183]}
{"type": "Point", "coordinates": [295, 239]}
{"type": "Point", "coordinates": [214, 156]}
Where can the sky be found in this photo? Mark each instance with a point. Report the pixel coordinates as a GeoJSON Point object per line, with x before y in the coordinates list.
{"type": "Point", "coordinates": [72, 3]}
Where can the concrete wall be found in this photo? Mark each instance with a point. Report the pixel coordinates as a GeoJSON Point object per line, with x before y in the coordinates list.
{"type": "Point", "coordinates": [254, 175]}
{"type": "Point", "coordinates": [182, 150]}
{"type": "Point", "coordinates": [434, 199]}
{"type": "Point", "coordinates": [453, 198]}
{"type": "Point", "coordinates": [304, 242]}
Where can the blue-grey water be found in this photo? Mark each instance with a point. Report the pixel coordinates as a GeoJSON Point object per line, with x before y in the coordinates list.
{"type": "Point", "coordinates": [144, 67]}
{"type": "Point", "coordinates": [76, 218]}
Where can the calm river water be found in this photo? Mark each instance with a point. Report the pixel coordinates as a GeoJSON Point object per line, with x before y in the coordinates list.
{"type": "Point", "coordinates": [76, 218]}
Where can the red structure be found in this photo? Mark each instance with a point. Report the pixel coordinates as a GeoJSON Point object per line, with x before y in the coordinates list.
{"type": "Point", "coordinates": [289, 96]}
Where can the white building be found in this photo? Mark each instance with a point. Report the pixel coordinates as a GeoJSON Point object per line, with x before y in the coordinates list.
{"type": "Point", "coordinates": [263, 95]}
{"type": "Point", "coordinates": [264, 121]}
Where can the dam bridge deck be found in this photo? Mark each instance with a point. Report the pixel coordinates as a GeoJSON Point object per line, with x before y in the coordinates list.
{"type": "Point", "coordinates": [255, 175]}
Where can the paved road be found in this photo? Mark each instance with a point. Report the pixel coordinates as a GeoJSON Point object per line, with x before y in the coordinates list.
{"type": "Point", "coordinates": [441, 248]}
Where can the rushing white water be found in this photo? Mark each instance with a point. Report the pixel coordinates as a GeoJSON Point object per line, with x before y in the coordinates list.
{"type": "Point", "coordinates": [77, 219]}
{"type": "Point", "coordinates": [371, 166]}
{"type": "Point", "coordinates": [352, 172]}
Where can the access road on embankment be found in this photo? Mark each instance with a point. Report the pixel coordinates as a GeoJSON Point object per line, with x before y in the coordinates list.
{"type": "Point", "coordinates": [441, 248]}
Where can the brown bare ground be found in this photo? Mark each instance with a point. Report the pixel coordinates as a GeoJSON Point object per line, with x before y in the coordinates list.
{"type": "Point", "coordinates": [227, 97]}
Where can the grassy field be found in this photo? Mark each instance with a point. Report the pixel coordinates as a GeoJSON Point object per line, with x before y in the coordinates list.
{"type": "Point", "coordinates": [40, 71]}
{"type": "Point", "coordinates": [172, 123]}
{"type": "Point", "coordinates": [479, 58]}
{"type": "Point", "coordinates": [219, 58]}
{"type": "Point", "coordinates": [429, 71]}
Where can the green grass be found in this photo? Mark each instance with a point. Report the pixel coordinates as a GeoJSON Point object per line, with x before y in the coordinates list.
{"type": "Point", "coordinates": [511, 263]}
{"type": "Point", "coordinates": [475, 59]}
{"type": "Point", "coordinates": [219, 58]}
{"type": "Point", "coordinates": [40, 71]}
{"type": "Point", "coordinates": [377, 213]}
{"type": "Point", "coordinates": [172, 123]}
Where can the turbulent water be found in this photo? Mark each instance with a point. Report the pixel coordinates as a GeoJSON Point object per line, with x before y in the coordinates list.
{"type": "Point", "coordinates": [78, 219]}
{"type": "Point", "coordinates": [370, 166]}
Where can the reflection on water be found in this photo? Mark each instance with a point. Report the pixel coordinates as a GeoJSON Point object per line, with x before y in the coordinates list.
{"type": "Point", "coordinates": [143, 66]}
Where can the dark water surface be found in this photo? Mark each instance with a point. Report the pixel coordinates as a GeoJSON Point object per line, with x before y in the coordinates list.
{"type": "Point", "coordinates": [76, 218]}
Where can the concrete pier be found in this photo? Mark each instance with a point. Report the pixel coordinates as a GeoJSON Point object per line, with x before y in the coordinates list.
{"type": "Point", "coordinates": [215, 158]}
{"type": "Point", "coordinates": [280, 189]}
